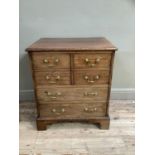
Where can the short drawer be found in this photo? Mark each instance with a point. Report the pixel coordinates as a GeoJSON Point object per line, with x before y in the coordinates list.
{"type": "Point", "coordinates": [72, 93]}
{"type": "Point", "coordinates": [93, 77]}
{"type": "Point", "coordinates": [69, 110]}
{"type": "Point", "coordinates": [49, 60]}
{"type": "Point", "coordinates": [92, 60]}
{"type": "Point", "coordinates": [55, 77]}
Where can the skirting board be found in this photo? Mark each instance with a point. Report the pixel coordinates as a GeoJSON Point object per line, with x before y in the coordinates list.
{"type": "Point", "coordinates": [116, 94]}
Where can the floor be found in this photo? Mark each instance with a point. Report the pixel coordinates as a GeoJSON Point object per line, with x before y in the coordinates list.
{"type": "Point", "coordinates": [79, 138]}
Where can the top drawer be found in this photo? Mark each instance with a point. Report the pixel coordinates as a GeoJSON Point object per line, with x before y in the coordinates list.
{"type": "Point", "coordinates": [49, 60]}
{"type": "Point", "coordinates": [92, 60]}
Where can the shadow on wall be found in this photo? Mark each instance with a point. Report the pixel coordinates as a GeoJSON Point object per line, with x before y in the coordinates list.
{"type": "Point", "coordinates": [26, 82]}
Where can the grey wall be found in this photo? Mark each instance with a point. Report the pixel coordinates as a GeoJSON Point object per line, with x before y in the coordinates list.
{"type": "Point", "coordinates": [113, 19]}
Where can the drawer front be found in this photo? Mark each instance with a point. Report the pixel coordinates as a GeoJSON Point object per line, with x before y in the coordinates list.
{"type": "Point", "coordinates": [49, 60]}
{"type": "Point", "coordinates": [78, 110]}
{"type": "Point", "coordinates": [56, 77]}
{"type": "Point", "coordinates": [69, 93]}
{"type": "Point", "coordinates": [92, 60]}
{"type": "Point", "coordinates": [93, 77]}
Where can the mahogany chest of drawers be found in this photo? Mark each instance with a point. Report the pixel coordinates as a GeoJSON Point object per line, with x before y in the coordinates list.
{"type": "Point", "coordinates": [72, 79]}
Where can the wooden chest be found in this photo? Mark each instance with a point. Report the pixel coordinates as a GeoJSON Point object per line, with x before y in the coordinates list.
{"type": "Point", "coordinates": [72, 79]}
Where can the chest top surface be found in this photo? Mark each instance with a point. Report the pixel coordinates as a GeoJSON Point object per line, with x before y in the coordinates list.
{"type": "Point", "coordinates": [76, 44]}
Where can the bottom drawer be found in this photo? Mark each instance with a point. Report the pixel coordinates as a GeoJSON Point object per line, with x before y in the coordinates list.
{"type": "Point", "coordinates": [76, 110]}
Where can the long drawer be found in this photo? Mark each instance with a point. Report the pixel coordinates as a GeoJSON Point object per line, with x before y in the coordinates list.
{"type": "Point", "coordinates": [72, 93]}
{"type": "Point", "coordinates": [69, 110]}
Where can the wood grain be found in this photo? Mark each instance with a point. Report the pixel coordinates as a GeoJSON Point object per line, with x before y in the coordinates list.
{"type": "Point", "coordinates": [71, 44]}
{"type": "Point", "coordinates": [54, 77]}
{"type": "Point", "coordinates": [39, 57]}
{"type": "Point", "coordinates": [110, 82]}
{"type": "Point", "coordinates": [75, 111]}
{"type": "Point", "coordinates": [72, 93]}
{"type": "Point", "coordinates": [80, 77]}
{"type": "Point", "coordinates": [73, 72]}
{"type": "Point", "coordinates": [80, 60]}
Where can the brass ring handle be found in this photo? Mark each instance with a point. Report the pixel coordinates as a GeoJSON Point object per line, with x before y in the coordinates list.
{"type": "Point", "coordinates": [52, 82]}
{"type": "Point", "coordinates": [54, 110]}
{"type": "Point", "coordinates": [87, 61]}
{"type": "Point", "coordinates": [92, 65]}
{"type": "Point", "coordinates": [89, 64]}
{"type": "Point", "coordinates": [51, 65]}
{"type": "Point", "coordinates": [90, 81]}
{"type": "Point", "coordinates": [56, 61]}
{"type": "Point", "coordinates": [53, 97]}
{"type": "Point", "coordinates": [97, 77]}
{"type": "Point", "coordinates": [90, 94]}
{"type": "Point", "coordinates": [90, 110]}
